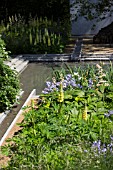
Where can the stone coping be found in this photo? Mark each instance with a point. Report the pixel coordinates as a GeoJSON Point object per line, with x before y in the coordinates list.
{"type": "Point", "coordinates": [96, 59]}
{"type": "Point", "coordinates": [83, 48]}
{"type": "Point", "coordinates": [47, 57]}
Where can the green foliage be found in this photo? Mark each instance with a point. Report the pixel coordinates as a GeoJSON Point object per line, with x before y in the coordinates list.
{"type": "Point", "coordinates": [9, 86]}
{"type": "Point", "coordinates": [38, 35]}
{"type": "Point", "coordinates": [3, 52]}
{"type": "Point", "coordinates": [60, 131]}
{"type": "Point", "coordinates": [9, 82]}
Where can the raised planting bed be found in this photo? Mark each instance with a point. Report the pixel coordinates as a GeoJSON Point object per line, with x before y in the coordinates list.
{"type": "Point", "coordinates": [70, 127]}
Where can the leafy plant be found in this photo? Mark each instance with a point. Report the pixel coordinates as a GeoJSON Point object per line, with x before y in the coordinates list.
{"type": "Point", "coordinates": [3, 53]}
{"type": "Point", "coordinates": [71, 126]}
{"type": "Point", "coordinates": [37, 35]}
{"type": "Point", "coordinates": [9, 82]}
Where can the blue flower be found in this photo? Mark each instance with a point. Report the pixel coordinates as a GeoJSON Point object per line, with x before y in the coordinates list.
{"type": "Point", "coordinates": [96, 144]}
{"type": "Point", "coordinates": [90, 81]}
{"type": "Point", "coordinates": [67, 82]}
{"type": "Point", "coordinates": [48, 83]}
{"type": "Point", "coordinates": [73, 83]}
{"type": "Point", "coordinates": [45, 92]}
{"type": "Point", "coordinates": [57, 84]}
{"type": "Point", "coordinates": [85, 151]}
{"type": "Point", "coordinates": [68, 77]}
{"type": "Point", "coordinates": [111, 137]}
{"type": "Point", "coordinates": [79, 86]}
{"type": "Point", "coordinates": [109, 113]}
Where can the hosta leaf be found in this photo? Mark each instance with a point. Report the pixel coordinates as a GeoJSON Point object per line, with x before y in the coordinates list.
{"type": "Point", "coordinates": [79, 93]}
{"type": "Point", "coordinates": [67, 96]}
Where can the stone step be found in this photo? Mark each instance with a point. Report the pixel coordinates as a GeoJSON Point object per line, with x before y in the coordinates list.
{"type": "Point", "coordinates": [96, 59]}
{"type": "Point", "coordinates": [22, 66]}
{"type": "Point", "coordinates": [96, 55]}
{"type": "Point", "coordinates": [16, 64]}
{"type": "Point", "coordinates": [11, 61]}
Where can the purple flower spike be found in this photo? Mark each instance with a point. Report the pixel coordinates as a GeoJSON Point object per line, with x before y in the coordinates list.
{"type": "Point", "coordinates": [65, 83]}
{"type": "Point", "coordinates": [53, 86]}
{"type": "Point", "coordinates": [90, 83]}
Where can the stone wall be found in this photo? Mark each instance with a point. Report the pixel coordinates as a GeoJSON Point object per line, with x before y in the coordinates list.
{"type": "Point", "coordinates": [84, 27]}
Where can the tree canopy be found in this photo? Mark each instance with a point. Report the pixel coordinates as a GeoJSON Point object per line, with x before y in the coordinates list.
{"type": "Point", "coordinates": [91, 9]}
{"type": "Point", "coordinates": [50, 8]}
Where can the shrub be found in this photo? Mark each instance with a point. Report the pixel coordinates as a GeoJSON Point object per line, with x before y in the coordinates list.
{"type": "Point", "coordinates": [3, 52]}
{"type": "Point", "coordinates": [9, 82]}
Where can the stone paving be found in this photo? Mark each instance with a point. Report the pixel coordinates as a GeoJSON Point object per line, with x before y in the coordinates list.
{"type": "Point", "coordinates": [98, 52]}
{"type": "Point", "coordinates": [82, 50]}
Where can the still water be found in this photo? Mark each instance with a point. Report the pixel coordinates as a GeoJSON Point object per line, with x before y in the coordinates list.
{"type": "Point", "coordinates": [36, 74]}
